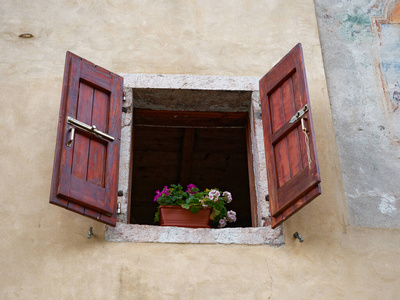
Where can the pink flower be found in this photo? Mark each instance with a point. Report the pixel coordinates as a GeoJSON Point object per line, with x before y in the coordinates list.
{"type": "Point", "coordinates": [164, 192]}
{"type": "Point", "coordinates": [228, 196]}
{"type": "Point", "coordinates": [231, 216]}
{"type": "Point", "coordinates": [222, 223]}
{"type": "Point", "coordinates": [190, 188]}
{"type": "Point", "coordinates": [158, 195]}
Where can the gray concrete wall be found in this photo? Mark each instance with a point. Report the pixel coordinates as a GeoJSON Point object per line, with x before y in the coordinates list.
{"type": "Point", "coordinates": [360, 41]}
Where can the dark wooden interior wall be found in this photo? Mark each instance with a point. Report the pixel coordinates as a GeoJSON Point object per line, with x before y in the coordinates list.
{"type": "Point", "coordinates": [218, 159]}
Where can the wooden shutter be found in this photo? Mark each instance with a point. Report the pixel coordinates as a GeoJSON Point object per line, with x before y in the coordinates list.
{"type": "Point", "coordinates": [293, 172]}
{"type": "Point", "coordinates": [85, 172]}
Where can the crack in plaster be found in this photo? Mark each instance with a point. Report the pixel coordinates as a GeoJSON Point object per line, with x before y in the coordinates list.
{"type": "Point", "coordinates": [271, 279]}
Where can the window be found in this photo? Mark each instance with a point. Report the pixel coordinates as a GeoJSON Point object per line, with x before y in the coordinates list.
{"type": "Point", "coordinates": [204, 148]}
{"type": "Point", "coordinates": [89, 137]}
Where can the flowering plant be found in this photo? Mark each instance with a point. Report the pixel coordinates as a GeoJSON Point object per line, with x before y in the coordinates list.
{"type": "Point", "coordinates": [193, 199]}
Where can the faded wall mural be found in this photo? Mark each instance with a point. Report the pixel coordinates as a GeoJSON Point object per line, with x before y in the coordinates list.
{"type": "Point", "coordinates": [387, 34]}
{"type": "Point", "coordinates": [360, 40]}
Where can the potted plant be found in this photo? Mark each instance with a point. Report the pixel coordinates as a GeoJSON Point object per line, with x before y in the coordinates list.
{"type": "Point", "coordinates": [193, 208]}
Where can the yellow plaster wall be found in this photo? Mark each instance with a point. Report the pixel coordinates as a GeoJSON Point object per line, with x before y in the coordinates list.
{"type": "Point", "coordinates": [44, 252]}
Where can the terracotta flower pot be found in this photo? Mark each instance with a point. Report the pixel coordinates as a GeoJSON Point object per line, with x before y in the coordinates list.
{"type": "Point", "coordinates": [171, 215]}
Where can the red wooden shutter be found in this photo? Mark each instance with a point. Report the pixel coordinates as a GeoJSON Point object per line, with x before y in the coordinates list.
{"type": "Point", "coordinates": [85, 172]}
{"type": "Point", "coordinates": [292, 163]}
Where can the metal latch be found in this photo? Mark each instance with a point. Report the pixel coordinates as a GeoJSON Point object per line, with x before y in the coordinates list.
{"type": "Point", "coordinates": [299, 114]}
{"type": "Point", "coordinates": [71, 136]}
{"type": "Point", "coordinates": [88, 128]}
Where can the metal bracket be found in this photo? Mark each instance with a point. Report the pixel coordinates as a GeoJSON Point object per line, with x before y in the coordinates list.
{"type": "Point", "coordinates": [119, 208]}
{"type": "Point", "coordinates": [90, 129]}
{"type": "Point", "coordinates": [299, 114]}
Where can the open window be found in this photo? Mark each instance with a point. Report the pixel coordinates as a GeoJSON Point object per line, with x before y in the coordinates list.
{"type": "Point", "coordinates": [208, 149]}
{"type": "Point", "coordinates": [85, 174]}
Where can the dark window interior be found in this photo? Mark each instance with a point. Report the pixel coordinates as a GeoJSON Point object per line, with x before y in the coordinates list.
{"type": "Point", "coordinates": [206, 149]}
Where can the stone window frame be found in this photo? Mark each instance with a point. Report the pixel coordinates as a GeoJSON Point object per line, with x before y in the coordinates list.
{"type": "Point", "coordinates": [261, 235]}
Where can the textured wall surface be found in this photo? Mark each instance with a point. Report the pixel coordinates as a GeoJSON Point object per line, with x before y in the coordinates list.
{"type": "Point", "coordinates": [44, 250]}
{"type": "Point", "coordinates": [360, 41]}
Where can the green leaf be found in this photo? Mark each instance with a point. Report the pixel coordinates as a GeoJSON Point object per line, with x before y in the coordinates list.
{"type": "Point", "coordinates": [157, 216]}
{"type": "Point", "coordinates": [185, 205]}
{"type": "Point", "coordinates": [194, 209]}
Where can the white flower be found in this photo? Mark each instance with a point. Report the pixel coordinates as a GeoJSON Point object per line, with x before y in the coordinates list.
{"type": "Point", "coordinates": [231, 215]}
{"type": "Point", "coordinates": [213, 195]}
{"type": "Point", "coordinates": [228, 196]}
{"type": "Point", "coordinates": [222, 223]}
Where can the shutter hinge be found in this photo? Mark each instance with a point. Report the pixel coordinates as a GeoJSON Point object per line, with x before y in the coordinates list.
{"type": "Point", "coordinates": [120, 194]}
{"type": "Point", "coordinates": [125, 109]}
{"type": "Point", "coordinates": [123, 97]}
{"type": "Point", "coordinates": [267, 198]}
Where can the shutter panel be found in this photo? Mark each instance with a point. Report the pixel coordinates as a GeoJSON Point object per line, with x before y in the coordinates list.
{"type": "Point", "coordinates": [85, 172]}
{"type": "Point", "coordinates": [293, 182]}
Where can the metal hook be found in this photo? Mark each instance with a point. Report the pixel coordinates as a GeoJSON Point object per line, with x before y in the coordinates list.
{"type": "Point", "coordinates": [296, 235]}
{"type": "Point", "coordinates": [90, 233]}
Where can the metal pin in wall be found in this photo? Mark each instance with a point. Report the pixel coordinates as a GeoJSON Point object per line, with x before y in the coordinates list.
{"type": "Point", "coordinates": [296, 235]}
{"type": "Point", "coordinates": [90, 233]}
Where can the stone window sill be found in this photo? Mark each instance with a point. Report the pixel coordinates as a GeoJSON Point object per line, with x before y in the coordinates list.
{"type": "Point", "coordinates": [157, 234]}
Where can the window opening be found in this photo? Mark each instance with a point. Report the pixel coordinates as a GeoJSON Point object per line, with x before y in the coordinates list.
{"type": "Point", "coordinates": [205, 148]}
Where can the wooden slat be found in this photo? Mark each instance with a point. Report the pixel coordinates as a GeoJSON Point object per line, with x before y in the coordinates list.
{"type": "Point", "coordinates": [97, 152]}
{"type": "Point", "coordinates": [189, 118]}
{"type": "Point", "coordinates": [299, 204]}
{"type": "Point", "coordinates": [151, 139]}
{"type": "Point", "coordinates": [187, 154]}
{"type": "Point", "coordinates": [269, 153]}
{"type": "Point", "coordinates": [98, 77]}
{"type": "Point", "coordinates": [288, 193]}
{"type": "Point", "coordinates": [87, 194]}
{"type": "Point", "coordinates": [71, 103]}
{"type": "Point", "coordinates": [283, 131]}
{"type": "Point", "coordinates": [81, 145]}
{"type": "Point", "coordinates": [252, 184]}
{"type": "Point", "coordinates": [223, 140]}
